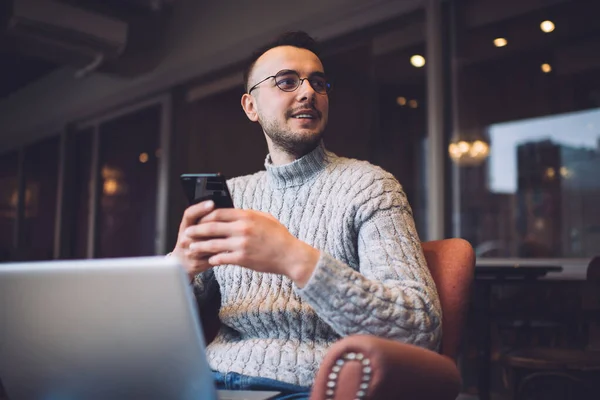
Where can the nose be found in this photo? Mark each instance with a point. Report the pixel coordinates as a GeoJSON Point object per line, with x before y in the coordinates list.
{"type": "Point", "coordinates": [305, 90]}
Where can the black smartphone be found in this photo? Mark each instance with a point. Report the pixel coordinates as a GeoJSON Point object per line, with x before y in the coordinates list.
{"type": "Point", "coordinates": [200, 187]}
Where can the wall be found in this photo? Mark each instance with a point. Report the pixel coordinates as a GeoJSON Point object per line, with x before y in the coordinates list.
{"type": "Point", "coordinates": [204, 36]}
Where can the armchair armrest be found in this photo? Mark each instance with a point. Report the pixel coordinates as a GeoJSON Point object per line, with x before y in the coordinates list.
{"type": "Point", "coordinates": [367, 367]}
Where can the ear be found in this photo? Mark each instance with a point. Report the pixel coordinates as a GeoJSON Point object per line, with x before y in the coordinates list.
{"type": "Point", "coordinates": [249, 106]}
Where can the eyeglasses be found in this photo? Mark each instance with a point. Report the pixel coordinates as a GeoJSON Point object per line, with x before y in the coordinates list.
{"type": "Point", "coordinates": [288, 81]}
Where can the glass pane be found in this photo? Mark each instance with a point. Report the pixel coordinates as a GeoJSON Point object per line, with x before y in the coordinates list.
{"type": "Point", "coordinates": [533, 97]}
{"type": "Point", "coordinates": [548, 165]}
{"type": "Point", "coordinates": [41, 182]}
{"type": "Point", "coordinates": [9, 169]}
{"type": "Point", "coordinates": [77, 193]}
{"type": "Point", "coordinates": [213, 124]}
{"type": "Point", "coordinates": [401, 128]}
{"type": "Point", "coordinates": [128, 184]}
{"type": "Point", "coordinates": [377, 108]}
{"type": "Point", "coordinates": [350, 70]}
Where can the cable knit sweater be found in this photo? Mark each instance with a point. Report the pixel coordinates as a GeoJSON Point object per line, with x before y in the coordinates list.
{"type": "Point", "coordinates": [371, 277]}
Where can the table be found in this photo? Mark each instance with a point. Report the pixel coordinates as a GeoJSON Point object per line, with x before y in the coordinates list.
{"type": "Point", "coordinates": [496, 271]}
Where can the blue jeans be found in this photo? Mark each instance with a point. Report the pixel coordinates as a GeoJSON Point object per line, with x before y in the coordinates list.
{"type": "Point", "coordinates": [235, 381]}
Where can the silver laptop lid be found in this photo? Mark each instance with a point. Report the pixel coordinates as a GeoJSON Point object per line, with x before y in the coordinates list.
{"type": "Point", "coordinates": [99, 329]}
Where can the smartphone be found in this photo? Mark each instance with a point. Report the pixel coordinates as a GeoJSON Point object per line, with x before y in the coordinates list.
{"type": "Point", "coordinates": [200, 187]}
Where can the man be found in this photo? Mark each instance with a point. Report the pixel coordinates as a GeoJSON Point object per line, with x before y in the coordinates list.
{"type": "Point", "coordinates": [317, 248]}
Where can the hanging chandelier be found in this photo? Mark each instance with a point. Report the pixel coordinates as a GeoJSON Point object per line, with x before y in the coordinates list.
{"type": "Point", "coordinates": [469, 152]}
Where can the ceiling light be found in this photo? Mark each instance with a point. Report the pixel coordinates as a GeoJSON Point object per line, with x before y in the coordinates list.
{"type": "Point", "coordinates": [417, 60]}
{"type": "Point", "coordinates": [401, 101]}
{"type": "Point", "coordinates": [111, 187]}
{"type": "Point", "coordinates": [413, 104]}
{"type": "Point", "coordinates": [143, 157]}
{"type": "Point", "coordinates": [546, 68]}
{"type": "Point", "coordinates": [500, 42]}
{"type": "Point", "coordinates": [547, 26]}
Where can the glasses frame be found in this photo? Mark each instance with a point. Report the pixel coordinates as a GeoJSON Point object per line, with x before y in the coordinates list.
{"type": "Point", "coordinates": [300, 81]}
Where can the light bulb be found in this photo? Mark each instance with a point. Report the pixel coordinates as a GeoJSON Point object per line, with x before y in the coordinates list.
{"type": "Point", "coordinates": [417, 60]}
{"type": "Point", "coordinates": [500, 42]}
{"type": "Point", "coordinates": [547, 26]}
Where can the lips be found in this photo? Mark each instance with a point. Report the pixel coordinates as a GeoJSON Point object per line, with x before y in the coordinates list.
{"type": "Point", "coordinates": [305, 113]}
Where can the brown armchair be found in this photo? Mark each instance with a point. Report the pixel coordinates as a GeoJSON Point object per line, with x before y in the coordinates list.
{"type": "Point", "coordinates": [396, 370]}
{"type": "Point", "coordinates": [368, 367]}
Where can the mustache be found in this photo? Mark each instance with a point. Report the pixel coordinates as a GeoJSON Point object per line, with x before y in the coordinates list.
{"type": "Point", "coordinates": [293, 111]}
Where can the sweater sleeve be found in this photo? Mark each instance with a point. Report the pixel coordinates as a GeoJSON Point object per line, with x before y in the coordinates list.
{"type": "Point", "coordinates": [392, 294]}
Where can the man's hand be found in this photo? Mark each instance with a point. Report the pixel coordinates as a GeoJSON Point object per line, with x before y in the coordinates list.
{"type": "Point", "coordinates": [194, 261]}
{"type": "Point", "coordinates": [254, 240]}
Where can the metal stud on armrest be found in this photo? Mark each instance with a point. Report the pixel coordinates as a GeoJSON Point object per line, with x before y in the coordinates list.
{"type": "Point", "coordinates": [335, 372]}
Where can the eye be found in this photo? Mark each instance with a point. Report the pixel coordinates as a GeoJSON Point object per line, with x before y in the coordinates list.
{"type": "Point", "coordinates": [287, 82]}
{"type": "Point", "coordinates": [319, 84]}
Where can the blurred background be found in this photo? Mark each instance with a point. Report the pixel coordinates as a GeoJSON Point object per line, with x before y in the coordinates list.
{"type": "Point", "coordinates": [487, 112]}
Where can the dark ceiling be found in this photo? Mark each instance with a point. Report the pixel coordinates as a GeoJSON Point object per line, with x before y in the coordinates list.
{"type": "Point", "coordinates": [18, 69]}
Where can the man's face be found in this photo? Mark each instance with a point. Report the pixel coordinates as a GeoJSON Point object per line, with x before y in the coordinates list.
{"type": "Point", "coordinates": [293, 121]}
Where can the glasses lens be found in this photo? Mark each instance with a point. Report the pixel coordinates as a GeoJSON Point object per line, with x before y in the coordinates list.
{"type": "Point", "coordinates": [287, 81]}
{"type": "Point", "coordinates": [320, 84]}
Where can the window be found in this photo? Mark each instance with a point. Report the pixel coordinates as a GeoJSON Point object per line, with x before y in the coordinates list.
{"type": "Point", "coordinates": [41, 189]}
{"type": "Point", "coordinates": [78, 191]}
{"type": "Point", "coordinates": [526, 142]}
{"type": "Point", "coordinates": [128, 184]}
{"type": "Point", "coordinates": [9, 168]}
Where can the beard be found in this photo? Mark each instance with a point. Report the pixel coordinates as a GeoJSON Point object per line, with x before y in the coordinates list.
{"type": "Point", "coordinates": [296, 144]}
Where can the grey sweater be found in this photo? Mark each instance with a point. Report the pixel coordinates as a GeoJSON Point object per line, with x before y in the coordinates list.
{"type": "Point", "coordinates": [371, 277]}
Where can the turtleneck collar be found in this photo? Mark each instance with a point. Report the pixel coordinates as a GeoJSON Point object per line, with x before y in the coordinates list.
{"type": "Point", "coordinates": [299, 171]}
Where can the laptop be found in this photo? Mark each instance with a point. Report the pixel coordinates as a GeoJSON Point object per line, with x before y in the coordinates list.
{"type": "Point", "coordinates": [103, 329]}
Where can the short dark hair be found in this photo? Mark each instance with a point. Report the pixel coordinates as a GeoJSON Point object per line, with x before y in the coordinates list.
{"type": "Point", "coordinates": [299, 39]}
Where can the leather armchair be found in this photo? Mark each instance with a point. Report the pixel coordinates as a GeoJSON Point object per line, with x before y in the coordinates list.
{"type": "Point", "coordinates": [397, 370]}
{"type": "Point", "coordinates": [368, 367]}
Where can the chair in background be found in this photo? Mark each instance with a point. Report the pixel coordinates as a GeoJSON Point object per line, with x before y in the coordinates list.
{"type": "Point", "coordinates": [562, 373]}
{"type": "Point", "coordinates": [367, 367]}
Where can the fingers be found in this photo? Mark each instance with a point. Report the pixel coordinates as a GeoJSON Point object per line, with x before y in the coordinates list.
{"type": "Point", "coordinates": [233, 257]}
{"type": "Point", "coordinates": [194, 267]}
{"type": "Point", "coordinates": [225, 215]}
{"type": "Point", "coordinates": [208, 230]}
{"type": "Point", "coordinates": [194, 254]}
{"type": "Point", "coordinates": [193, 261]}
{"type": "Point", "coordinates": [210, 247]}
{"type": "Point", "coordinates": [183, 241]}
{"type": "Point", "coordinates": [220, 251]}
{"type": "Point", "coordinates": [194, 213]}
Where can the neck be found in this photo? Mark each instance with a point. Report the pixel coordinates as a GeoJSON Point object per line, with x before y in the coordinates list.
{"type": "Point", "coordinates": [298, 171]}
{"type": "Point", "coordinates": [281, 156]}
